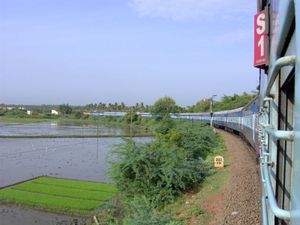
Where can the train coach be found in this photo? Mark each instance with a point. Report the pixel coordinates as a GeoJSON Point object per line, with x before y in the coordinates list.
{"type": "Point", "coordinates": [271, 122]}
{"type": "Point", "coordinates": [242, 121]}
{"type": "Point", "coordinates": [277, 46]}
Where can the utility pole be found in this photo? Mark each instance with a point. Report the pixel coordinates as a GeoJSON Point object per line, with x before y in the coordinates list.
{"type": "Point", "coordinates": [97, 139]}
{"type": "Point", "coordinates": [131, 111]}
{"type": "Point", "coordinates": [211, 109]}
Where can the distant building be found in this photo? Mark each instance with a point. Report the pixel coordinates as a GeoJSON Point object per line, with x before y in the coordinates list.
{"type": "Point", "coordinates": [29, 112]}
{"type": "Point", "coordinates": [86, 113]}
{"type": "Point", "coordinates": [54, 112]}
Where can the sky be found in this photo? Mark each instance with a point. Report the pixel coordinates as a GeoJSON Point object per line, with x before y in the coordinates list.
{"type": "Point", "coordinates": [91, 51]}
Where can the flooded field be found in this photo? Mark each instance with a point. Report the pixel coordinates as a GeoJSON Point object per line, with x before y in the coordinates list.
{"type": "Point", "coordinates": [79, 158]}
{"type": "Point", "coordinates": [7, 129]}
{"type": "Point", "coordinates": [75, 158]}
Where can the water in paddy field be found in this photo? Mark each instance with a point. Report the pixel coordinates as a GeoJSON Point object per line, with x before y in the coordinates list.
{"type": "Point", "coordinates": [75, 158]}
{"type": "Point", "coordinates": [7, 129]}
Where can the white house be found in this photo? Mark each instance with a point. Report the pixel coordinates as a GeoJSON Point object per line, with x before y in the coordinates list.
{"type": "Point", "coordinates": [54, 112]}
{"type": "Point", "coordinates": [29, 112]}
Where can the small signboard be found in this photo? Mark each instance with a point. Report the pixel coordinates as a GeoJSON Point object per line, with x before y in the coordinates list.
{"type": "Point", "coordinates": [260, 39]}
{"type": "Point", "coordinates": [219, 161]}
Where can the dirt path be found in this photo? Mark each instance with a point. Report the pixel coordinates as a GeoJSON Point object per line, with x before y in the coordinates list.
{"type": "Point", "coordinates": [239, 202]}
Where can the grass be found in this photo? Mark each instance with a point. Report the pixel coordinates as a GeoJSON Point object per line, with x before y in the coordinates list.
{"type": "Point", "coordinates": [5, 119]}
{"type": "Point", "coordinates": [59, 195]}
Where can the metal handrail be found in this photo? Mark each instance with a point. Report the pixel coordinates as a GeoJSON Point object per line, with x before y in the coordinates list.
{"type": "Point", "coordinates": [264, 210]}
{"type": "Point", "coordinates": [263, 194]}
{"type": "Point", "coordinates": [265, 173]}
{"type": "Point", "coordinates": [283, 61]}
{"type": "Point", "coordinates": [278, 212]}
{"type": "Point", "coordinates": [281, 134]}
{"type": "Point", "coordinates": [267, 130]}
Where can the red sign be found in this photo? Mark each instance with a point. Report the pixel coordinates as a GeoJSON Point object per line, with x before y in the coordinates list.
{"type": "Point", "coordinates": [260, 39]}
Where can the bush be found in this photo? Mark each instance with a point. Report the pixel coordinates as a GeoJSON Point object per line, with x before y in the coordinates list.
{"type": "Point", "coordinates": [141, 212]}
{"type": "Point", "coordinates": [152, 174]}
{"type": "Point", "coordinates": [77, 115]}
{"type": "Point", "coordinates": [112, 213]}
{"type": "Point", "coordinates": [16, 113]}
{"type": "Point", "coordinates": [159, 170]}
{"type": "Point", "coordinates": [198, 142]}
{"type": "Point", "coordinates": [131, 117]}
{"type": "Point", "coordinates": [165, 126]}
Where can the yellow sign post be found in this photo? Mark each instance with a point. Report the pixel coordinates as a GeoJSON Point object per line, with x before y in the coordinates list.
{"type": "Point", "coordinates": [219, 161]}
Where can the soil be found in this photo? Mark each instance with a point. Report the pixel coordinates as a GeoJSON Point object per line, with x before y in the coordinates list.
{"type": "Point", "coordinates": [14, 215]}
{"type": "Point", "coordinates": [239, 201]}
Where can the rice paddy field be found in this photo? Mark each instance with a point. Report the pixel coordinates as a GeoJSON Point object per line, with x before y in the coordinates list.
{"type": "Point", "coordinates": [59, 195]}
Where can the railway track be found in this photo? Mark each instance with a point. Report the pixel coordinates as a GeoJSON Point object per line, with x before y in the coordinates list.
{"type": "Point", "coordinates": [239, 201]}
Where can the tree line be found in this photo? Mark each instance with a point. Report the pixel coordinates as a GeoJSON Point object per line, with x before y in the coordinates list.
{"type": "Point", "coordinates": [165, 104]}
{"type": "Point", "coordinates": [227, 102]}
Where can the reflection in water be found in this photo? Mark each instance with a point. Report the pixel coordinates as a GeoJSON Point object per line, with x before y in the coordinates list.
{"type": "Point", "coordinates": [77, 158]}
{"type": "Point", "coordinates": [55, 129]}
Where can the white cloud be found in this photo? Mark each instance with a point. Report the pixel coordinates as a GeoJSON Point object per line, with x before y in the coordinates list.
{"type": "Point", "coordinates": [193, 9]}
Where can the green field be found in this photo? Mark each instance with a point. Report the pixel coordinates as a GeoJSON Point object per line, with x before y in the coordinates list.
{"type": "Point", "coordinates": [59, 195]}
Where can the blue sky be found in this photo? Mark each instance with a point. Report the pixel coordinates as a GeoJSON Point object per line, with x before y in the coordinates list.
{"type": "Point", "coordinates": [91, 51]}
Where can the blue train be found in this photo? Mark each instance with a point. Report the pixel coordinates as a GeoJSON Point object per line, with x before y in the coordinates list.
{"type": "Point", "coordinates": [242, 121]}
{"type": "Point", "coordinates": [271, 121]}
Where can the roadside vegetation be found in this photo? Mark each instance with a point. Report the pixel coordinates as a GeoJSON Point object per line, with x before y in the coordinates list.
{"type": "Point", "coordinates": [192, 206]}
{"type": "Point", "coordinates": [153, 179]}
{"type": "Point", "coordinates": [153, 176]}
{"type": "Point", "coordinates": [59, 195]}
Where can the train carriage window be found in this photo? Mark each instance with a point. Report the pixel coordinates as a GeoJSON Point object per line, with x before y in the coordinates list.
{"type": "Point", "coordinates": [285, 148]}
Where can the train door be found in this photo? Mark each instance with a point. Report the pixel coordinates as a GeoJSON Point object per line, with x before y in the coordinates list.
{"type": "Point", "coordinates": [285, 148]}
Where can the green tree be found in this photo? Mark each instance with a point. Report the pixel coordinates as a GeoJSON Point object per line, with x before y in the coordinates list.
{"type": "Point", "coordinates": [77, 115]}
{"type": "Point", "coordinates": [163, 107]}
{"type": "Point", "coordinates": [201, 106]}
{"type": "Point", "coordinates": [131, 116]}
{"type": "Point", "coordinates": [233, 102]}
{"type": "Point", "coordinates": [65, 109]}
{"type": "Point", "coordinates": [227, 102]}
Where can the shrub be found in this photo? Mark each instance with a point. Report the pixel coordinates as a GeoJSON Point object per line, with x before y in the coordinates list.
{"type": "Point", "coordinates": [157, 170]}
{"type": "Point", "coordinates": [165, 126]}
{"type": "Point", "coordinates": [112, 213]}
{"type": "Point", "coordinates": [131, 117]}
{"type": "Point", "coordinates": [197, 142]}
{"type": "Point", "coordinates": [152, 174]}
{"type": "Point", "coordinates": [141, 212]}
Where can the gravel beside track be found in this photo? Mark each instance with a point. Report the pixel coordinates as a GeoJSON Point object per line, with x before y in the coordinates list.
{"type": "Point", "coordinates": [241, 202]}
